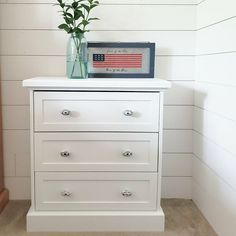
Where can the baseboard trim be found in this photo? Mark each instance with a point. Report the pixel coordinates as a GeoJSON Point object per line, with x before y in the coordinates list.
{"type": "Point", "coordinates": [95, 221]}
{"type": "Point", "coordinates": [4, 199]}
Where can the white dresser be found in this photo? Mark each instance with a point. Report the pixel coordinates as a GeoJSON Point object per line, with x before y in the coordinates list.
{"type": "Point", "coordinates": [96, 149]}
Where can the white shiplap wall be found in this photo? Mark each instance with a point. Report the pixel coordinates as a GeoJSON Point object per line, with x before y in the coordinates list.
{"type": "Point", "coordinates": [31, 45]}
{"type": "Point", "coordinates": [214, 138]}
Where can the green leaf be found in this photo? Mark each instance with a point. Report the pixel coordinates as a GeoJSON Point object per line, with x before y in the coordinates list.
{"type": "Point", "coordinates": [74, 5]}
{"type": "Point", "coordinates": [78, 14]}
{"type": "Point", "coordinates": [68, 20]}
{"type": "Point", "coordinates": [92, 6]}
{"type": "Point", "coordinates": [87, 8]}
{"type": "Point", "coordinates": [89, 19]}
{"type": "Point", "coordinates": [64, 27]}
{"type": "Point", "coordinates": [85, 22]}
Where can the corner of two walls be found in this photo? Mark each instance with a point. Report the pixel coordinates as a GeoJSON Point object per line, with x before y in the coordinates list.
{"type": "Point", "coordinates": [214, 135]}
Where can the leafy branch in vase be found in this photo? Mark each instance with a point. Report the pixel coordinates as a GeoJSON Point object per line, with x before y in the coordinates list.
{"type": "Point", "coordinates": [76, 19]}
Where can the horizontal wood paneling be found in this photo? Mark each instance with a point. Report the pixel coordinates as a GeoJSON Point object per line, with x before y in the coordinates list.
{"type": "Point", "coordinates": [181, 93]}
{"type": "Point", "coordinates": [31, 45]}
{"type": "Point", "coordinates": [19, 187]}
{"type": "Point", "coordinates": [218, 129]}
{"type": "Point", "coordinates": [216, 98]}
{"type": "Point", "coordinates": [223, 32]}
{"type": "Point", "coordinates": [175, 141]}
{"type": "Point", "coordinates": [168, 67]}
{"type": "Point", "coordinates": [9, 114]}
{"type": "Point", "coordinates": [176, 187]}
{"type": "Point", "coordinates": [219, 160]}
{"type": "Point", "coordinates": [177, 165]}
{"type": "Point", "coordinates": [215, 199]}
{"type": "Point", "coordinates": [218, 68]}
{"type": "Point", "coordinates": [205, 19]}
{"type": "Point", "coordinates": [161, 17]}
{"type": "Point", "coordinates": [16, 150]}
{"type": "Point", "coordinates": [178, 117]}
{"type": "Point", "coordinates": [46, 42]}
{"type": "Point", "coordinates": [135, 2]}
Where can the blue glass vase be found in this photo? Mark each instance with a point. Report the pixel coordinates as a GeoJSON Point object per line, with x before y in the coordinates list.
{"type": "Point", "coordinates": [77, 58]}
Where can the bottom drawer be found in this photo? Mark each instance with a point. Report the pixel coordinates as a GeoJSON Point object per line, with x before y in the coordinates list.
{"type": "Point", "coordinates": [95, 191]}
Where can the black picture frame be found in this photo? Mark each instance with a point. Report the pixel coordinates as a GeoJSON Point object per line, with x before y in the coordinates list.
{"type": "Point", "coordinates": [138, 45]}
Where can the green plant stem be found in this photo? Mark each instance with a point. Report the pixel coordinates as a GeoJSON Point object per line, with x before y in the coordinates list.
{"type": "Point", "coordinates": [78, 49]}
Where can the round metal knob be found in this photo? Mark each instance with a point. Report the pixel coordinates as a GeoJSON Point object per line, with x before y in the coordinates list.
{"type": "Point", "coordinates": [65, 154]}
{"type": "Point", "coordinates": [65, 112]}
{"type": "Point", "coordinates": [66, 193]}
{"type": "Point", "coordinates": [127, 154]}
{"type": "Point", "coordinates": [128, 113]}
{"type": "Point", "coordinates": [126, 193]}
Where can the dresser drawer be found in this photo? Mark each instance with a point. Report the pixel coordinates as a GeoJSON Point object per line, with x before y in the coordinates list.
{"type": "Point", "coordinates": [96, 111]}
{"type": "Point", "coordinates": [95, 191]}
{"type": "Point", "coordinates": [96, 151]}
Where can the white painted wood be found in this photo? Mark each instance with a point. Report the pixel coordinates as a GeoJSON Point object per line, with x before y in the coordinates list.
{"type": "Point", "coordinates": [215, 198]}
{"type": "Point", "coordinates": [182, 119]}
{"type": "Point", "coordinates": [207, 97]}
{"type": "Point", "coordinates": [215, 8]}
{"type": "Point", "coordinates": [177, 187]}
{"type": "Point", "coordinates": [98, 84]}
{"type": "Point", "coordinates": [184, 43]}
{"type": "Point", "coordinates": [135, 2]}
{"type": "Point", "coordinates": [168, 67]}
{"type": "Point", "coordinates": [219, 160]}
{"type": "Point", "coordinates": [9, 114]}
{"type": "Point", "coordinates": [218, 129]}
{"type": "Point", "coordinates": [96, 151]}
{"type": "Point", "coordinates": [19, 187]}
{"type": "Point", "coordinates": [177, 141]}
{"type": "Point", "coordinates": [95, 221]}
{"type": "Point", "coordinates": [95, 191]}
{"type": "Point", "coordinates": [175, 67]}
{"type": "Point", "coordinates": [16, 151]}
{"type": "Point", "coordinates": [180, 93]}
{"type": "Point", "coordinates": [177, 165]}
{"type": "Point", "coordinates": [178, 117]}
{"type": "Point", "coordinates": [223, 32]}
{"type": "Point", "coordinates": [219, 68]}
{"type": "Point", "coordinates": [17, 96]}
{"type": "Point", "coordinates": [75, 191]}
{"type": "Point", "coordinates": [156, 17]}
{"type": "Point", "coordinates": [96, 111]}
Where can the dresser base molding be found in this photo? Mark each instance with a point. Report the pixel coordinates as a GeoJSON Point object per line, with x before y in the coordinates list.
{"type": "Point", "coordinates": [95, 221]}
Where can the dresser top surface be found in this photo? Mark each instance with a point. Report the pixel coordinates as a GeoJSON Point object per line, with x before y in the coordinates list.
{"type": "Point", "coordinates": [101, 84]}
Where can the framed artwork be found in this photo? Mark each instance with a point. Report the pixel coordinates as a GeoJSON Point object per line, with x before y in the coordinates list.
{"type": "Point", "coordinates": [121, 60]}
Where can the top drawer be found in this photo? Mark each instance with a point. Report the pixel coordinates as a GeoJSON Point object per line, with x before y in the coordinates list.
{"type": "Point", "coordinates": [96, 111]}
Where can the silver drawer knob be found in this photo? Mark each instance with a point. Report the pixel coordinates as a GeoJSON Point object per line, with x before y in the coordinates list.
{"type": "Point", "coordinates": [128, 113]}
{"type": "Point", "coordinates": [65, 112]}
{"type": "Point", "coordinates": [127, 154]}
{"type": "Point", "coordinates": [126, 193]}
{"type": "Point", "coordinates": [65, 154]}
{"type": "Point", "coordinates": [66, 193]}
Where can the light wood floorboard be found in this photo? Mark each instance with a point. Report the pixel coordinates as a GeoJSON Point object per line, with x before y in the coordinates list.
{"type": "Point", "coordinates": [182, 219]}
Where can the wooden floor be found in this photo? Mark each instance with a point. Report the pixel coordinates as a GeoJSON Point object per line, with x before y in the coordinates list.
{"type": "Point", "coordinates": [182, 219]}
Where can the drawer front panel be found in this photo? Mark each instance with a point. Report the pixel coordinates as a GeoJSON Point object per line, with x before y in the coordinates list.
{"type": "Point", "coordinates": [96, 151]}
{"type": "Point", "coordinates": [96, 111]}
{"type": "Point", "coordinates": [96, 191]}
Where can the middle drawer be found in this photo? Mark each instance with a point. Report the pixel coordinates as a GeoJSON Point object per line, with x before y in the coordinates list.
{"type": "Point", "coordinates": [96, 151]}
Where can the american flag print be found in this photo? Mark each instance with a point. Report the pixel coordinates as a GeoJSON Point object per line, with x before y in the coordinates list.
{"type": "Point", "coordinates": [117, 61]}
